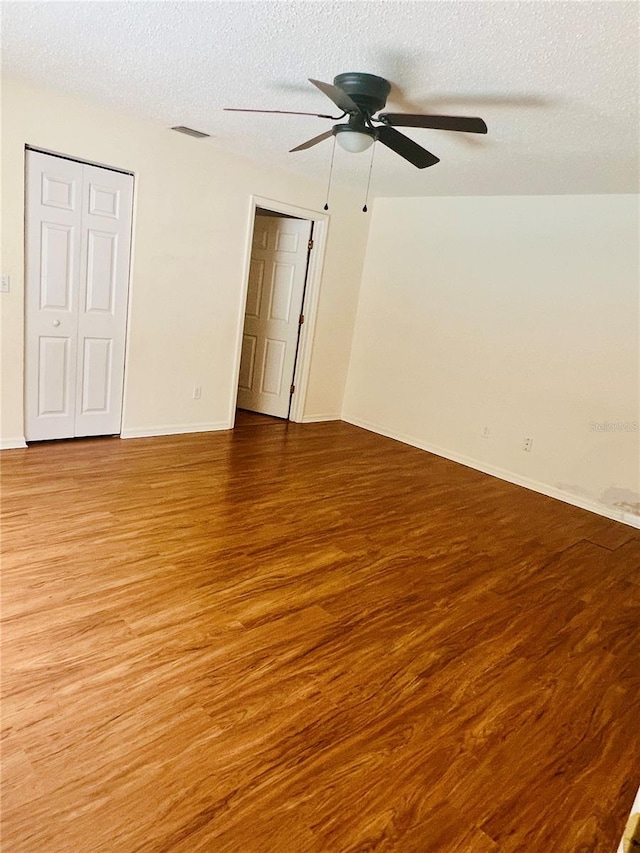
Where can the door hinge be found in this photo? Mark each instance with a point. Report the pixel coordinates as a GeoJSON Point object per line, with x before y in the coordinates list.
{"type": "Point", "coordinates": [310, 244]}
{"type": "Point", "coordinates": [292, 389]}
{"type": "Point", "coordinates": [301, 319]}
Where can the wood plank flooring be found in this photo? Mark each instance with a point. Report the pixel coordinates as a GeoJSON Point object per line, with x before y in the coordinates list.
{"type": "Point", "coordinates": [309, 638]}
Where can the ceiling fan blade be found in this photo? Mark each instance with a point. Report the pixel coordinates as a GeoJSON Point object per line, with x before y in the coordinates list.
{"type": "Point", "coordinates": [281, 112]}
{"type": "Point", "coordinates": [407, 148]}
{"type": "Point", "coordinates": [313, 141]}
{"type": "Point", "coordinates": [339, 98]}
{"type": "Point", "coordinates": [463, 123]}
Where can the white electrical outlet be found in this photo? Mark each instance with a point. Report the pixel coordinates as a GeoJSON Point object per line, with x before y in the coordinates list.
{"type": "Point", "coordinates": [197, 392]}
{"type": "Point", "coordinates": [5, 285]}
{"type": "Point", "coordinates": [527, 444]}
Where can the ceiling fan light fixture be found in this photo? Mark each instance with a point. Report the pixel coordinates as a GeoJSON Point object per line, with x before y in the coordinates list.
{"type": "Point", "coordinates": [361, 96]}
{"type": "Point", "coordinates": [353, 141]}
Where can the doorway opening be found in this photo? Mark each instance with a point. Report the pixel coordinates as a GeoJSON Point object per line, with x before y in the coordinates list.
{"type": "Point", "coordinates": [284, 256]}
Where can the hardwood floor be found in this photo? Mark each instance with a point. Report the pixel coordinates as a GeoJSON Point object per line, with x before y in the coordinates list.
{"type": "Point", "coordinates": [245, 417]}
{"type": "Point", "coordinates": [309, 638]}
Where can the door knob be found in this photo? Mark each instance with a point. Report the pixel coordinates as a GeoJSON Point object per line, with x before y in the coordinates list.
{"type": "Point", "coordinates": [56, 322]}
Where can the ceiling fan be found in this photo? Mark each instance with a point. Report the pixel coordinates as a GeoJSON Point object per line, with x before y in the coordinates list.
{"type": "Point", "coordinates": [360, 96]}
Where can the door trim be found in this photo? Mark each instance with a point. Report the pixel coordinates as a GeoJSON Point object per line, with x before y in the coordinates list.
{"type": "Point", "coordinates": [311, 298]}
{"type": "Point", "coordinates": [78, 160]}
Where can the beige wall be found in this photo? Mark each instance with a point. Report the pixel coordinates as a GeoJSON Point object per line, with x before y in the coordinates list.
{"type": "Point", "coordinates": [519, 315]}
{"type": "Point", "coordinates": [191, 227]}
{"type": "Point", "coordinates": [515, 314]}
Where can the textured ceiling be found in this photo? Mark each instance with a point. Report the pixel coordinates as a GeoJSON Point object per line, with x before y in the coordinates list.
{"type": "Point", "coordinates": [557, 83]}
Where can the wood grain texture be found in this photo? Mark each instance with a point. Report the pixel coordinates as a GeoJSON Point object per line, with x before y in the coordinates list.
{"type": "Point", "coordinates": [309, 638]}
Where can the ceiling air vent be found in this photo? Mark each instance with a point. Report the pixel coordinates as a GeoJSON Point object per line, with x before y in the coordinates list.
{"type": "Point", "coordinates": [197, 134]}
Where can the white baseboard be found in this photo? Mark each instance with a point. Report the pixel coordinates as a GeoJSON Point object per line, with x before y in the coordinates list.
{"type": "Point", "coordinates": [173, 429]}
{"type": "Point", "coordinates": [13, 443]}
{"type": "Point", "coordinates": [315, 419]}
{"type": "Point", "coordinates": [501, 474]}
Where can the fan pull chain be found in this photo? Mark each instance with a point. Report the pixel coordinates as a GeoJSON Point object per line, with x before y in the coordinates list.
{"type": "Point", "coordinates": [366, 198]}
{"type": "Point", "coordinates": [333, 154]}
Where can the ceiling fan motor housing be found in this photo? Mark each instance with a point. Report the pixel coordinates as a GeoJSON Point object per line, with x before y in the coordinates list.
{"type": "Point", "coordinates": [369, 92]}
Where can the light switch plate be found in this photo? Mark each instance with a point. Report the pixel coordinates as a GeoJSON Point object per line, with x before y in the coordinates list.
{"type": "Point", "coordinates": [4, 285]}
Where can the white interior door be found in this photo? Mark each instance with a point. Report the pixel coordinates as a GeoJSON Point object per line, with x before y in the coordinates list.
{"type": "Point", "coordinates": [78, 226]}
{"type": "Point", "coordinates": [53, 234]}
{"type": "Point", "coordinates": [274, 302]}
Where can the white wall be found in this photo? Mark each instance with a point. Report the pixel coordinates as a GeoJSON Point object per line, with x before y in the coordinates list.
{"type": "Point", "coordinates": [191, 227]}
{"type": "Point", "coordinates": [515, 314]}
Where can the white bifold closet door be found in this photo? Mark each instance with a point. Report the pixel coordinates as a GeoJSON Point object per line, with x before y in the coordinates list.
{"type": "Point", "coordinates": [78, 243]}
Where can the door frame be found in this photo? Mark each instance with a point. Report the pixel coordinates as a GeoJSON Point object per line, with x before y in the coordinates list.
{"type": "Point", "coordinates": [310, 303]}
